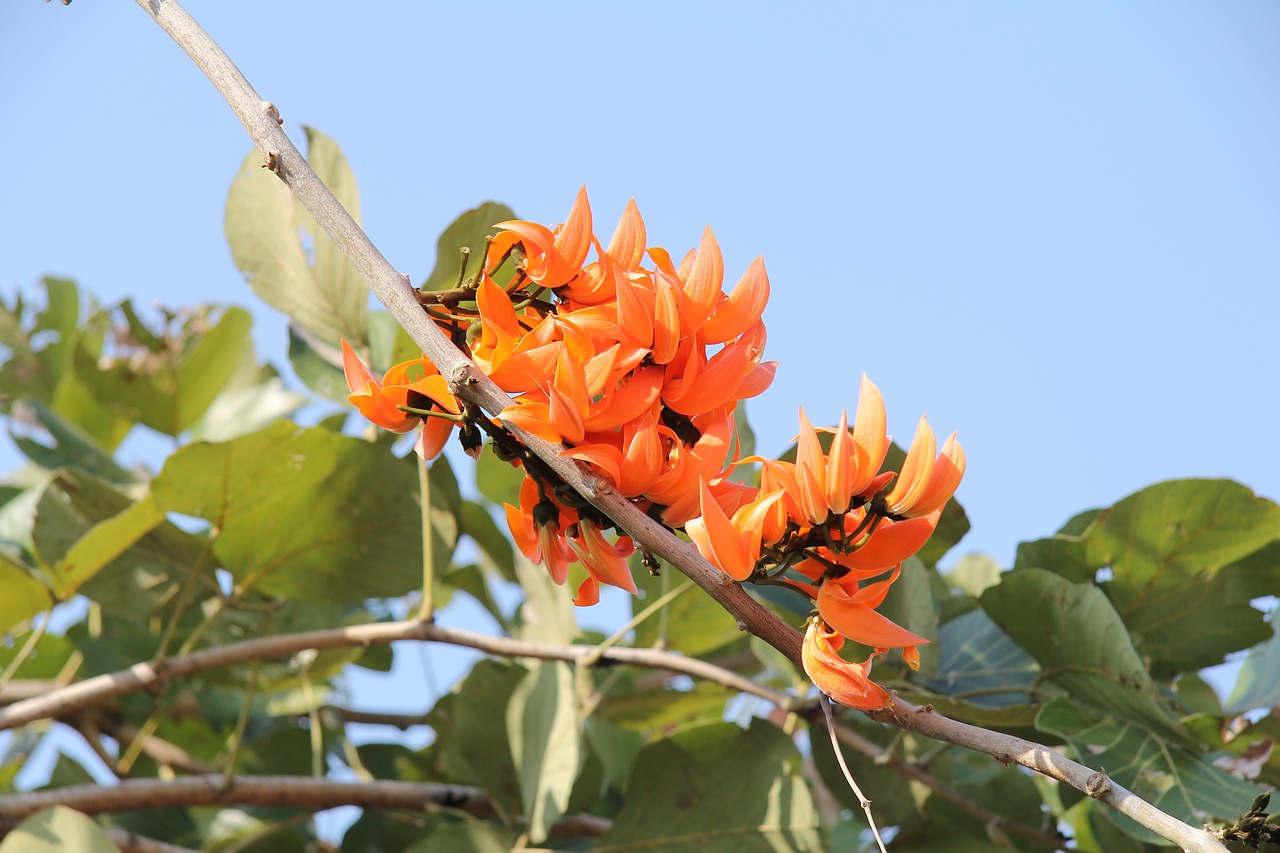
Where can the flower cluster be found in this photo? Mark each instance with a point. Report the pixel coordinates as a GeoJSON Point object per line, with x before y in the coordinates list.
{"type": "Point", "coordinates": [635, 368]}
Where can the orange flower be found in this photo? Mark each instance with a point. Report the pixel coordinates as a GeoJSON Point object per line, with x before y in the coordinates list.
{"type": "Point", "coordinates": [731, 544]}
{"type": "Point", "coordinates": [412, 384]}
{"type": "Point", "coordinates": [551, 258]}
{"type": "Point", "coordinates": [925, 484]}
{"type": "Point", "coordinates": [604, 562]}
{"type": "Point", "coordinates": [850, 609]}
{"type": "Point", "coordinates": [536, 526]}
{"type": "Point", "coordinates": [845, 682]}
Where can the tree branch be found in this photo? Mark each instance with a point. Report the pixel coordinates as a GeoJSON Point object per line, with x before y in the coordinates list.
{"type": "Point", "coordinates": [300, 792]}
{"type": "Point", "coordinates": [62, 701]}
{"type": "Point", "coordinates": [261, 120]}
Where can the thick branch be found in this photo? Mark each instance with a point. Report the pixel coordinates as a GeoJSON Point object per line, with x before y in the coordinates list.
{"type": "Point", "coordinates": [62, 701]}
{"type": "Point", "coordinates": [260, 119]}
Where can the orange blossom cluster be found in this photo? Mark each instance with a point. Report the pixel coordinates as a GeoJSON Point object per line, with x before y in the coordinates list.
{"type": "Point", "coordinates": [637, 371]}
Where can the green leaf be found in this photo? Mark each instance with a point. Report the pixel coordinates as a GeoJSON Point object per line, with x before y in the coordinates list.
{"type": "Point", "coordinates": [546, 743]}
{"type": "Point", "coordinates": [306, 514]}
{"type": "Point", "coordinates": [980, 663]}
{"type": "Point", "coordinates": [616, 748]}
{"type": "Point", "coordinates": [1082, 646]}
{"type": "Point", "coordinates": [104, 542]}
{"type": "Point", "coordinates": [655, 710]}
{"type": "Point", "coordinates": [894, 803]}
{"type": "Point", "coordinates": [471, 728]}
{"type": "Point", "coordinates": [466, 836]}
{"type": "Point", "coordinates": [1063, 553]}
{"type": "Point", "coordinates": [311, 282]}
{"type": "Point", "coordinates": [389, 344]}
{"type": "Point", "coordinates": [1165, 546]}
{"type": "Point", "coordinates": [717, 788]}
{"type": "Point", "coordinates": [471, 580]}
{"type": "Point", "coordinates": [1164, 775]}
{"type": "Point", "coordinates": [57, 830]}
{"type": "Point", "coordinates": [467, 231]}
{"type": "Point", "coordinates": [497, 480]}
{"type": "Point", "coordinates": [240, 411]}
{"type": "Point", "coordinates": [1258, 682]}
{"type": "Point", "coordinates": [24, 596]}
{"type": "Point", "coordinates": [82, 524]}
{"type": "Point", "coordinates": [336, 278]}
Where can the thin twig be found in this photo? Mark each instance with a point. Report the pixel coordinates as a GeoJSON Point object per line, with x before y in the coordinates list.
{"type": "Point", "coordinates": [848, 776]}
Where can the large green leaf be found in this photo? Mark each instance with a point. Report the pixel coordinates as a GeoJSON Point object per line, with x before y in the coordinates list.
{"type": "Point", "coordinates": [981, 664]}
{"type": "Point", "coordinates": [1161, 773]}
{"type": "Point", "coordinates": [1166, 545]}
{"type": "Point", "coordinates": [305, 513]}
{"type": "Point", "coordinates": [1081, 645]}
{"type": "Point", "coordinates": [57, 830]}
{"type": "Point", "coordinates": [309, 281]}
{"type": "Point", "coordinates": [717, 788]}
{"type": "Point", "coordinates": [468, 231]}
{"type": "Point", "coordinates": [545, 731]}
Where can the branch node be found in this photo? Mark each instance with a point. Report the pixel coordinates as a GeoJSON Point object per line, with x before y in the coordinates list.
{"type": "Point", "coordinates": [461, 376]}
{"type": "Point", "coordinates": [1098, 785]}
{"type": "Point", "coordinates": [271, 111]}
{"type": "Point", "coordinates": [273, 163]}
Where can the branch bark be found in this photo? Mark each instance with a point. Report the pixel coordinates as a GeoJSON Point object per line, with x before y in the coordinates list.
{"type": "Point", "coordinates": [261, 119]}
{"type": "Point", "coordinates": [62, 701]}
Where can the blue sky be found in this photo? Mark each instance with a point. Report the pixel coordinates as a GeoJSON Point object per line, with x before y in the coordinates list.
{"type": "Point", "coordinates": [1052, 227]}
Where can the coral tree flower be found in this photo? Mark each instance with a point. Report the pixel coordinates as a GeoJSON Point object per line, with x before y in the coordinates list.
{"type": "Point", "coordinates": [414, 384]}
{"type": "Point", "coordinates": [845, 682]}
{"type": "Point", "coordinates": [926, 484]}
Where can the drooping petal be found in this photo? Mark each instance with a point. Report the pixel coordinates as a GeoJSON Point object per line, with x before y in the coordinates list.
{"type": "Point", "coordinates": [859, 622]}
{"type": "Point", "coordinates": [845, 682]}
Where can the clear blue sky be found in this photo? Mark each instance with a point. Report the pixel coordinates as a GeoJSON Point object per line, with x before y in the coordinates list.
{"type": "Point", "coordinates": [1053, 227]}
